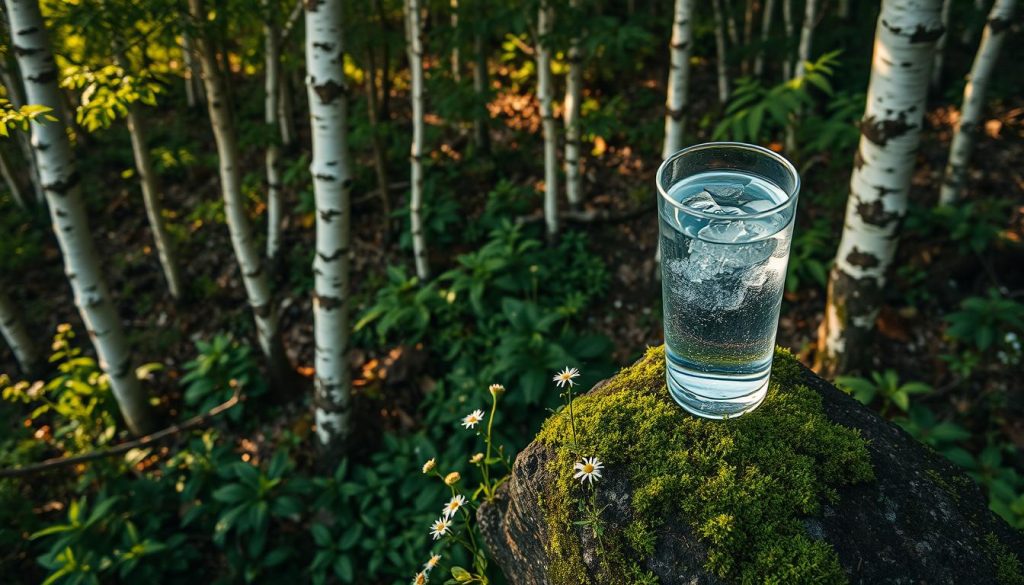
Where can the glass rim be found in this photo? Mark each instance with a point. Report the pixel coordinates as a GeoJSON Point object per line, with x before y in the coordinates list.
{"type": "Point", "coordinates": [791, 197]}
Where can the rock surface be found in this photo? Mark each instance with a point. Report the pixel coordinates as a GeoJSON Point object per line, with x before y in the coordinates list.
{"type": "Point", "coordinates": [921, 520]}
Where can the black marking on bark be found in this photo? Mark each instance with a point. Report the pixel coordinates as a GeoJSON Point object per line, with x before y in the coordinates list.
{"type": "Point", "coordinates": [262, 311]}
{"type": "Point", "coordinates": [332, 257]}
{"type": "Point", "coordinates": [322, 401]}
{"type": "Point", "coordinates": [326, 47]}
{"type": "Point", "coordinates": [680, 46]}
{"type": "Point", "coordinates": [60, 212]}
{"type": "Point", "coordinates": [874, 213]}
{"type": "Point", "coordinates": [862, 259]}
{"type": "Point", "coordinates": [328, 302]}
{"type": "Point", "coordinates": [312, 5]}
{"type": "Point", "coordinates": [858, 160]}
{"type": "Point", "coordinates": [26, 31]}
{"type": "Point", "coordinates": [328, 215]}
{"type": "Point", "coordinates": [346, 184]}
{"type": "Point", "coordinates": [45, 76]}
{"type": "Point", "coordinates": [23, 51]}
{"type": "Point", "coordinates": [883, 190]}
{"type": "Point", "coordinates": [881, 131]}
{"type": "Point", "coordinates": [998, 25]}
{"type": "Point", "coordinates": [329, 91]}
{"type": "Point", "coordinates": [676, 114]}
{"type": "Point", "coordinates": [323, 177]}
{"type": "Point", "coordinates": [254, 273]}
{"type": "Point", "coordinates": [921, 33]}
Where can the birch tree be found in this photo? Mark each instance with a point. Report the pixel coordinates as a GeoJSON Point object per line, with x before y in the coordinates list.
{"type": "Point", "coordinates": [62, 189]}
{"type": "Point", "coordinates": [250, 261]}
{"type": "Point", "coordinates": [11, 178]}
{"type": "Point", "coordinates": [272, 90]}
{"type": "Point", "coordinates": [766, 27]}
{"type": "Point", "coordinates": [967, 128]}
{"type": "Point", "coordinates": [193, 85]}
{"type": "Point", "coordinates": [803, 52]}
{"type": "Point", "coordinates": [13, 330]}
{"type": "Point", "coordinates": [890, 130]}
{"type": "Point", "coordinates": [414, 47]}
{"type": "Point", "coordinates": [545, 95]}
{"type": "Point", "coordinates": [332, 178]}
{"type": "Point", "coordinates": [940, 46]}
{"type": "Point", "coordinates": [721, 57]}
{"type": "Point", "coordinates": [678, 77]}
{"type": "Point", "coordinates": [15, 94]}
{"type": "Point", "coordinates": [787, 25]}
{"type": "Point", "coordinates": [571, 118]}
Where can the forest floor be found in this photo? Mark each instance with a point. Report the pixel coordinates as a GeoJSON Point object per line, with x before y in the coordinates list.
{"type": "Point", "coordinates": [619, 182]}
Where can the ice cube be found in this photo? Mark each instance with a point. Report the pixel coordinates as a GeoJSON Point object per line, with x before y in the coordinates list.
{"type": "Point", "coordinates": [703, 202]}
{"type": "Point", "coordinates": [724, 231]}
{"type": "Point", "coordinates": [758, 205]}
{"type": "Point", "coordinates": [732, 195]}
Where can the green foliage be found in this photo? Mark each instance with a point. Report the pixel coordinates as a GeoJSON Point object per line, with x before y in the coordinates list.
{"type": "Point", "coordinates": [19, 118]}
{"type": "Point", "coordinates": [744, 486]}
{"type": "Point", "coordinates": [992, 468]}
{"type": "Point", "coordinates": [885, 385]}
{"type": "Point", "coordinates": [755, 112]}
{"type": "Point", "coordinates": [106, 93]}
{"type": "Point", "coordinates": [973, 226]}
{"type": "Point", "coordinates": [220, 366]}
{"type": "Point", "coordinates": [810, 257]}
{"type": "Point", "coordinates": [983, 323]}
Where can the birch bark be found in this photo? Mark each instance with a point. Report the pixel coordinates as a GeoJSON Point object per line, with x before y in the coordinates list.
{"type": "Point", "coordinates": [890, 131]}
{"type": "Point", "coordinates": [12, 81]}
{"type": "Point", "coordinates": [967, 128]}
{"type": "Point", "coordinates": [13, 329]}
{"type": "Point", "coordinates": [678, 78]}
{"type": "Point", "coordinates": [271, 112]}
{"type": "Point", "coordinates": [332, 179]}
{"type": "Point", "coordinates": [721, 64]}
{"type": "Point", "coordinates": [250, 261]}
{"type": "Point", "coordinates": [545, 94]}
{"type": "Point", "coordinates": [766, 28]}
{"type": "Point", "coordinates": [60, 182]}
{"type": "Point", "coordinates": [787, 25]}
{"type": "Point", "coordinates": [571, 119]}
{"type": "Point", "coordinates": [940, 46]}
{"type": "Point", "coordinates": [803, 53]}
{"type": "Point", "coordinates": [414, 47]}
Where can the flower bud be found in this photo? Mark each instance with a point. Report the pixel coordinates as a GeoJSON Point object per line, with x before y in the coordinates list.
{"type": "Point", "coordinates": [476, 458]}
{"type": "Point", "coordinates": [452, 478]}
{"type": "Point", "coordinates": [429, 465]}
{"type": "Point", "coordinates": [496, 390]}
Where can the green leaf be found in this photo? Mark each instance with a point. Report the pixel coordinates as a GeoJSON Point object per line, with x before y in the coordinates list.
{"type": "Point", "coordinates": [343, 569]}
{"type": "Point", "coordinates": [233, 493]}
{"type": "Point", "coordinates": [461, 575]}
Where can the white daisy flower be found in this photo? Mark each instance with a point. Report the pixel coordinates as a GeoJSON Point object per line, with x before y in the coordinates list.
{"type": "Point", "coordinates": [453, 505]}
{"type": "Point", "coordinates": [566, 377]}
{"type": "Point", "coordinates": [440, 527]}
{"type": "Point", "coordinates": [430, 564]}
{"type": "Point", "coordinates": [472, 419]}
{"type": "Point", "coordinates": [420, 578]}
{"type": "Point", "coordinates": [588, 470]}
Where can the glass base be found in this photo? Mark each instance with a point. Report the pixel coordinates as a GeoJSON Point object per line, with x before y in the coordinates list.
{"type": "Point", "coordinates": [716, 396]}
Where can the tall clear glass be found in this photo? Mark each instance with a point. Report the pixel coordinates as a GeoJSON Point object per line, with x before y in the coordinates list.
{"type": "Point", "coordinates": [726, 214]}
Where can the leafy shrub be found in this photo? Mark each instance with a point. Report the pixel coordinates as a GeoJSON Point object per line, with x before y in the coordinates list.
{"type": "Point", "coordinates": [885, 385]}
{"type": "Point", "coordinates": [222, 364]}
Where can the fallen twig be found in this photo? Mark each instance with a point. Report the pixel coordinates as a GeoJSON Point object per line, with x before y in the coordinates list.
{"type": "Point", "coordinates": [58, 462]}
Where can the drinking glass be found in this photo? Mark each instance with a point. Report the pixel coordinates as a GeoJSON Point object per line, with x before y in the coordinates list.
{"type": "Point", "coordinates": [726, 212]}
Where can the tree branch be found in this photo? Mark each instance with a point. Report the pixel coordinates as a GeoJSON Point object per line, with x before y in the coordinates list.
{"type": "Point", "coordinates": [59, 462]}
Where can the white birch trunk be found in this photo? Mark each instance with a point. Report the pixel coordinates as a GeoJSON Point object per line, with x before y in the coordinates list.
{"type": "Point", "coordinates": [13, 329]}
{"type": "Point", "coordinates": [545, 94]}
{"type": "Point", "coordinates": [456, 61]}
{"type": "Point", "coordinates": [721, 57]}
{"type": "Point", "coordinates": [940, 47]}
{"type": "Point", "coordinates": [787, 25]}
{"type": "Point", "coordinates": [1000, 18]}
{"type": "Point", "coordinates": [766, 28]}
{"type": "Point", "coordinates": [730, 21]}
{"type": "Point", "coordinates": [271, 111]}
{"type": "Point", "coordinates": [803, 52]}
{"type": "Point", "coordinates": [678, 78]}
{"type": "Point", "coordinates": [250, 261]}
{"type": "Point", "coordinates": [286, 112]}
{"type": "Point", "coordinates": [151, 199]}
{"type": "Point", "coordinates": [332, 179]}
{"type": "Point", "coordinates": [60, 181]}
{"type": "Point", "coordinates": [748, 33]}
{"type": "Point", "coordinates": [414, 47]}
{"type": "Point", "coordinates": [573, 97]}
{"type": "Point", "coordinates": [890, 131]}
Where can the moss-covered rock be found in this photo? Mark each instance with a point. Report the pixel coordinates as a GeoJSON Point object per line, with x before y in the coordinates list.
{"type": "Point", "coordinates": [782, 495]}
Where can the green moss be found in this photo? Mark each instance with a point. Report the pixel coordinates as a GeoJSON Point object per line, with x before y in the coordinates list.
{"type": "Point", "coordinates": [1009, 570]}
{"type": "Point", "coordinates": [744, 484]}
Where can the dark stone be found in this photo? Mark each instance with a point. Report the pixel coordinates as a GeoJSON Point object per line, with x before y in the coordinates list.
{"type": "Point", "coordinates": [922, 520]}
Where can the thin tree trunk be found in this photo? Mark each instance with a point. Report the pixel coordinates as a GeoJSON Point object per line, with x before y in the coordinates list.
{"type": "Point", "coordinates": [151, 198]}
{"type": "Point", "coordinates": [332, 179]}
{"type": "Point", "coordinates": [250, 261]}
{"type": "Point", "coordinates": [271, 111]}
{"type": "Point", "coordinates": [380, 161]}
{"type": "Point", "coordinates": [11, 178]}
{"type": "Point", "coordinates": [999, 20]}
{"type": "Point", "coordinates": [571, 119]}
{"type": "Point", "coordinates": [193, 86]}
{"type": "Point", "coordinates": [721, 57]}
{"type": "Point", "coordinates": [456, 62]}
{"type": "Point", "coordinates": [286, 112]}
{"type": "Point", "coordinates": [748, 33]}
{"type": "Point", "coordinates": [967, 36]}
{"type": "Point", "coordinates": [766, 29]}
{"type": "Point", "coordinates": [13, 329]}
{"type": "Point", "coordinates": [678, 78]}
{"type": "Point", "coordinates": [803, 53]}
{"type": "Point", "coordinates": [545, 94]}
{"type": "Point", "coordinates": [940, 47]}
{"type": "Point", "coordinates": [12, 81]}
{"type": "Point", "coordinates": [883, 166]}
{"type": "Point", "coordinates": [61, 186]}
{"type": "Point", "coordinates": [787, 24]}
{"type": "Point", "coordinates": [730, 21]}
{"type": "Point", "coordinates": [481, 132]}
{"type": "Point", "coordinates": [844, 9]}
{"type": "Point", "coordinates": [414, 45]}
